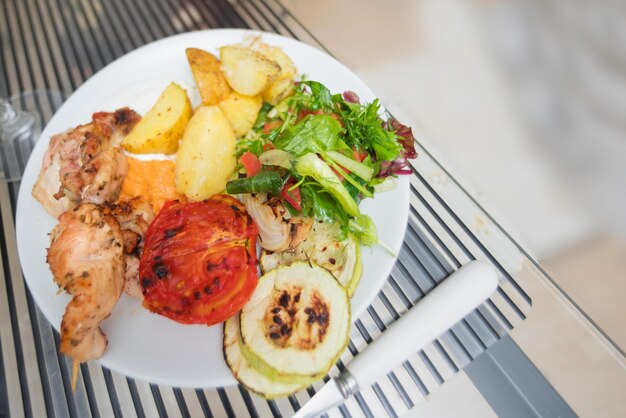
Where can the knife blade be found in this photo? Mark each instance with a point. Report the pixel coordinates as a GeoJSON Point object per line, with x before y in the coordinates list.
{"type": "Point", "coordinates": [441, 308]}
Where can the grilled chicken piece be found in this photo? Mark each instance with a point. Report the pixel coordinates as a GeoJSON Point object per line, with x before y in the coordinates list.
{"type": "Point", "coordinates": [134, 217]}
{"type": "Point", "coordinates": [85, 164]}
{"type": "Point", "coordinates": [48, 182]}
{"type": "Point", "coordinates": [86, 257]}
{"type": "Point", "coordinates": [120, 122]}
{"type": "Point", "coordinates": [278, 230]}
{"type": "Point", "coordinates": [132, 286]}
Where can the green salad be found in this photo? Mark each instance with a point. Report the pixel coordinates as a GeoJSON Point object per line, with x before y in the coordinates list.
{"type": "Point", "coordinates": [323, 153]}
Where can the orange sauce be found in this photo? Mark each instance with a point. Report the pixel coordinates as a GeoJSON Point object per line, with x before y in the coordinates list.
{"type": "Point", "coordinates": [153, 180]}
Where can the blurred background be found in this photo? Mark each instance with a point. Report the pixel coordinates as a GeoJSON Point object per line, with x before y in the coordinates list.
{"type": "Point", "coordinates": [525, 103]}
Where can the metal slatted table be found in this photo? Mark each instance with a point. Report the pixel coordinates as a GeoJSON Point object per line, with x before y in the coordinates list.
{"type": "Point", "coordinates": [49, 48]}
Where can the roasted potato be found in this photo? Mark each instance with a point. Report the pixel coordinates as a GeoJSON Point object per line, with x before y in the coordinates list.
{"type": "Point", "coordinates": [241, 111]}
{"type": "Point", "coordinates": [248, 72]}
{"type": "Point", "coordinates": [161, 128]}
{"type": "Point", "coordinates": [282, 86]}
{"type": "Point", "coordinates": [207, 72]}
{"type": "Point", "coordinates": [206, 156]}
{"type": "Point", "coordinates": [278, 90]}
{"type": "Point", "coordinates": [276, 54]}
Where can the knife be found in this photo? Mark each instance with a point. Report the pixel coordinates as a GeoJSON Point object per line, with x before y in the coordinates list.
{"type": "Point", "coordinates": [434, 314]}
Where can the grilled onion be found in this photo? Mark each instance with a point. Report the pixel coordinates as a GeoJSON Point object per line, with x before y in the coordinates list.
{"type": "Point", "coordinates": [278, 230]}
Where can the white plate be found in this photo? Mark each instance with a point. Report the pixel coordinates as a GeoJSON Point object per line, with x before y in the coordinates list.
{"type": "Point", "coordinates": [147, 346]}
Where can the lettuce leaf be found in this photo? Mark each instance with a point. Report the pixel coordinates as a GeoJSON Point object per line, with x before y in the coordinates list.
{"type": "Point", "coordinates": [314, 133]}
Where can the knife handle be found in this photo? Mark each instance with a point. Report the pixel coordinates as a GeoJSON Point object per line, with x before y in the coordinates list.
{"type": "Point", "coordinates": [434, 314]}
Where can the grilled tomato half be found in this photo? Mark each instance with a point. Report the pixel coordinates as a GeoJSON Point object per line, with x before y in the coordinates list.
{"type": "Point", "coordinates": [199, 260]}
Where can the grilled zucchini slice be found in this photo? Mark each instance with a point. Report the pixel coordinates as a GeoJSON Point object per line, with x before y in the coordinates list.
{"type": "Point", "coordinates": [247, 375]}
{"type": "Point", "coordinates": [296, 324]}
{"type": "Point", "coordinates": [341, 258]}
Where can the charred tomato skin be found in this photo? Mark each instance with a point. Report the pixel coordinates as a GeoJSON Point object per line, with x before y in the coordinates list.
{"type": "Point", "coordinates": [199, 261]}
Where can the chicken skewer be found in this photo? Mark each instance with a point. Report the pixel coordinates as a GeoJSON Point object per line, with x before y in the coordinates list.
{"type": "Point", "coordinates": [134, 216]}
{"type": "Point", "coordinates": [85, 164]}
{"type": "Point", "coordinates": [86, 257]}
{"type": "Point", "coordinates": [87, 260]}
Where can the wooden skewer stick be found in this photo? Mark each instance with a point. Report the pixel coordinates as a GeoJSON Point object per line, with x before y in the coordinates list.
{"type": "Point", "coordinates": [75, 374]}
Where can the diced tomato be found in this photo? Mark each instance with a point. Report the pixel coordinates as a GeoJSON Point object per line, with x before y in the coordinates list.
{"type": "Point", "coordinates": [251, 163]}
{"type": "Point", "coordinates": [305, 112]}
{"type": "Point", "coordinates": [340, 172]}
{"type": "Point", "coordinates": [269, 126]}
{"type": "Point", "coordinates": [268, 146]}
{"type": "Point", "coordinates": [359, 156]}
{"type": "Point", "coordinates": [338, 119]}
{"type": "Point", "coordinates": [292, 196]}
{"type": "Point", "coordinates": [199, 260]}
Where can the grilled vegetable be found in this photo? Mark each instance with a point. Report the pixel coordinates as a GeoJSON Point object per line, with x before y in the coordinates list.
{"type": "Point", "coordinates": [278, 230]}
{"type": "Point", "coordinates": [321, 246]}
{"type": "Point", "coordinates": [161, 128]}
{"type": "Point", "coordinates": [199, 260]}
{"type": "Point", "coordinates": [296, 324]}
{"type": "Point", "coordinates": [247, 375]}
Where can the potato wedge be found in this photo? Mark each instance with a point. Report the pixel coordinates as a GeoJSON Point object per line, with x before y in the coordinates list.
{"type": "Point", "coordinates": [248, 72]}
{"type": "Point", "coordinates": [161, 128]}
{"type": "Point", "coordinates": [278, 90]}
{"type": "Point", "coordinates": [287, 67]}
{"type": "Point", "coordinates": [206, 156]}
{"type": "Point", "coordinates": [282, 86]}
{"type": "Point", "coordinates": [241, 111]}
{"type": "Point", "coordinates": [207, 72]}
